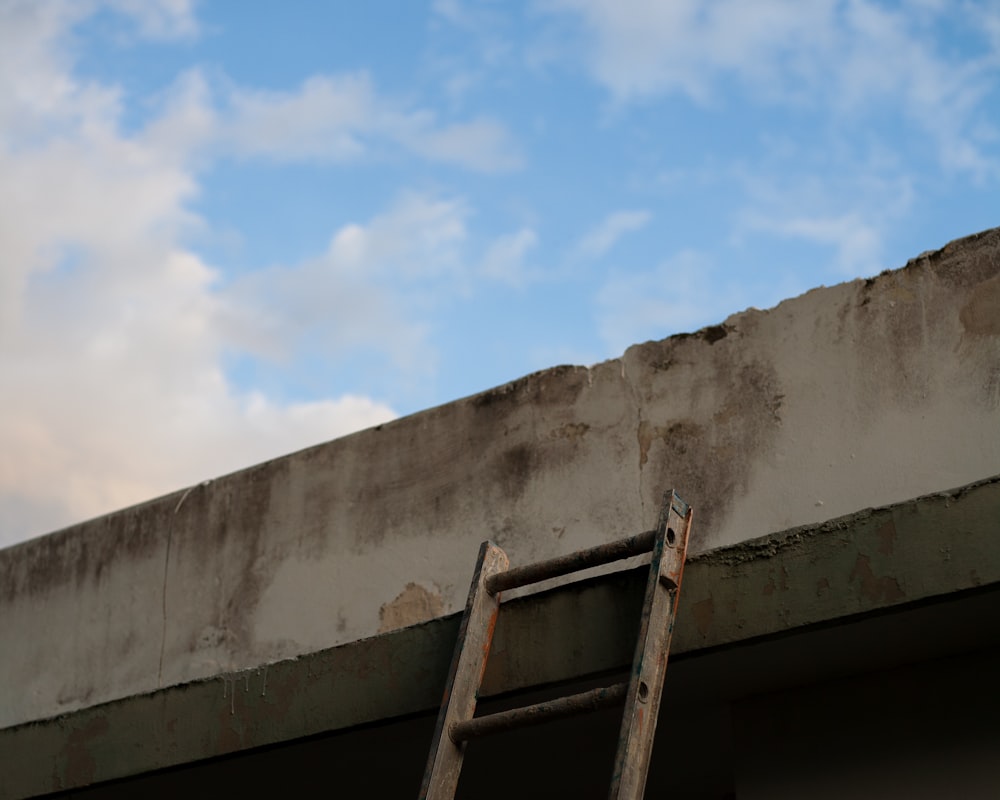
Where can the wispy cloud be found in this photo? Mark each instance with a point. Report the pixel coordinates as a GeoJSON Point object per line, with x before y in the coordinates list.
{"type": "Point", "coordinates": [857, 243]}
{"type": "Point", "coordinates": [360, 293]}
{"type": "Point", "coordinates": [160, 19]}
{"type": "Point", "coordinates": [483, 26]}
{"type": "Point", "coordinates": [613, 227]}
{"type": "Point", "coordinates": [482, 144]}
{"type": "Point", "coordinates": [645, 48]}
{"type": "Point", "coordinates": [848, 211]}
{"type": "Point", "coordinates": [682, 293]}
{"type": "Point", "coordinates": [504, 257]}
{"type": "Point", "coordinates": [842, 58]}
{"type": "Point", "coordinates": [328, 119]}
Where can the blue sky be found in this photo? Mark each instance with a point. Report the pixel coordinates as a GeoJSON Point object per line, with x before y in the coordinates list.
{"type": "Point", "coordinates": [231, 230]}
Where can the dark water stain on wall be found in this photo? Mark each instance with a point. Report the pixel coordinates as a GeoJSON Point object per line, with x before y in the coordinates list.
{"type": "Point", "coordinates": [981, 315]}
{"type": "Point", "coordinates": [706, 455]}
{"type": "Point", "coordinates": [898, 316]}
{"type": "Point", "coordinates": [481, 451]}
{"type": "Point", "coordinates": [81, 554]}
{"type": "Point", "coordinates": [412, 605]}
{"type": "Point", "coordinates": [513, 469]}
{"type": "Point", "coordinates": [223, 545]}
{"type": "Point", "coordinates": [548, 387]}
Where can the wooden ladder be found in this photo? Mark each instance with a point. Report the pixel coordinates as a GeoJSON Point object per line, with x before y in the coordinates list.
{"type": "Point", "coordinates": [457, 723]}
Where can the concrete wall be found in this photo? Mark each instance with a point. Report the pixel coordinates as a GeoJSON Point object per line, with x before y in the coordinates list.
{"type": "Point", "coordinates": [858, 395]}
{"type": "Point", "coordinates": [902, 585]}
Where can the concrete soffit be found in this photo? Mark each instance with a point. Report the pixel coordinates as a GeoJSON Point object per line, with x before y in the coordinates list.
{"type": "Point", "coordinates": [874, 561]}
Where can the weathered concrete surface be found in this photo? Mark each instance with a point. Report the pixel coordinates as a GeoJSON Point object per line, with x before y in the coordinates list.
{"type": "Point", "coordinates": [932, 548]}
{"type": "Point", "coordinates": [857, 395]}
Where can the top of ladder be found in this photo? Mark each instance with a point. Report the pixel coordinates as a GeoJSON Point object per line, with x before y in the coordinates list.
{"type": "Point", "coordinates": [516, 577]}
{"type": "Point", "coordinates": [457, 722]}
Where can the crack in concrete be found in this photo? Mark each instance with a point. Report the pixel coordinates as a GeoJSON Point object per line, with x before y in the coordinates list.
{"type": "Point", "coordinates": [163, 596]}
{"type": "Point", "coordinates": [166, 572]}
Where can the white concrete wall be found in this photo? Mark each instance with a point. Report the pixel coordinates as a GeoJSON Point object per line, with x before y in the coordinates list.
{"type": "Point", "coordinates": [858, 395]}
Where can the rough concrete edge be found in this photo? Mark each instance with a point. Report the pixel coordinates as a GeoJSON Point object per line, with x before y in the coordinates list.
{"type": "Point", "coordinates": [714, 332]}
{"type": "Point", "coordinates": [773, 544]}
{"type": "Point", "coordinates": [768, 588]}
{"type": "Point", "coordinates": [871, 560]}
{"type": "Point", "coordinates": [709, 333]}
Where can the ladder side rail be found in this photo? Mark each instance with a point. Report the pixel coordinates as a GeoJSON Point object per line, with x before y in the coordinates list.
{"type": "Point", "coordinates": [642, 705]}
{"type": "Point", "coordinates": [475, 636]}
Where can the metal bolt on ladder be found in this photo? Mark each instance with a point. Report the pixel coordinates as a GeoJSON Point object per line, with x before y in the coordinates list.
{"type": "Point", "coordinates": [457, 723]}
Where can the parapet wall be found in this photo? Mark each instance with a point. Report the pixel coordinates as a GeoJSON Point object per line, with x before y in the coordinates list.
{"type": "Point", "coordinates": [858, 395]}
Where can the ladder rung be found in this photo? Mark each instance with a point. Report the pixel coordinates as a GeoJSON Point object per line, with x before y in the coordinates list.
{"type": "Point", "coordinates": [457, 723]}
{"type": "Point", "coordinates": [539, 712]}
{"type": "Point", "coordinates": [574, 562]}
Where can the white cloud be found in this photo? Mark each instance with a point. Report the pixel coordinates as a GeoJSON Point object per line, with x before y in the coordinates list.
{"type": "Point", "coordinates": [113, 333]}
{"type": "Point", "coordinates": [160, 19]}
{"type": "Point", "coordinates": [419, 237]}
{"type": "Point", "coordinates": [454, 12]}
{"type": "Point", "coordinates": [360, 293]}
{"type": "Point", "coordinates": [857, 242]}
{"type": "Point", "coordinates": [341, 118]}
{"type": "Point", "coordinates": [602, 238]}
{"type": "Point", "coordinates": [644, 47]}
{"type": "Point", "coordinates": [482, 145]}
{"type": "Point", "coordinates": [484, 27]}
{"type": "Point", "coordinates": [850, 58]}
{"type": "Point", "coordinates": [332, 118]}
{"type": "Point", "coordinates": [188, 122]}
{"type": "Point", "coordinates": [114, 392]}
{"type": "Point", "coordinates": [850, 212]}
{"type": "Point", "coordinates": [38, 96]}
{"type": "Point", "coordinates": [327, 118]}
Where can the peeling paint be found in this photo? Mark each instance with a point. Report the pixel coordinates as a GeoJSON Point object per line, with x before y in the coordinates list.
{"type": "Point", "coordinates": [413, 605]}
{"type": "Point", "coordinates": [703, 612]}
{"type": "Point", "coordinates": [876, 589]}
{"type": "Point", "coordinates": [571, 431]}
{"type": "Point", "coordinates": [887, 537]}
{"type": "Point", "coordinates": [80, 763]}
{"type": "Point", "coordinates": [772, 585]}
